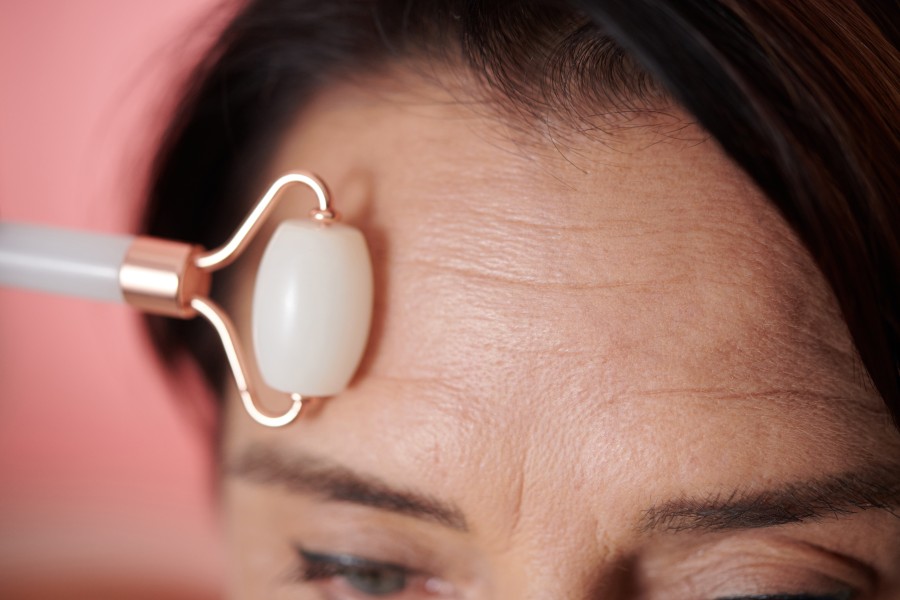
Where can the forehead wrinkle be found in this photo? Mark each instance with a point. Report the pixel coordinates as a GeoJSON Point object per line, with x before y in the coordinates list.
{"type": "Point", "coordinates": [505, 315]}
{"type": "Point", "coordinates": [782, 400]}
{"type": "Point", "coordinates": [455, 272]}
{"type": "Point", "coordinates": [526, 239]}
{"type": "Point", "coordinates": [506, 224]}
{"type": "Point", "coordinates": [484, 244]}
{"type": "Point", "coordinates": [561, 330]}
{"type": "Point", "coordinates": [847, 419]}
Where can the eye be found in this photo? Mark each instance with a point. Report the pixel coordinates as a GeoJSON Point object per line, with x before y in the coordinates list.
{"type": "Point", "coordinates": [367, 577]}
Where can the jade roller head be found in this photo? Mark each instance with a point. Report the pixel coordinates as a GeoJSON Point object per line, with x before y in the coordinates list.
{"type": "Point", "coordinates": [312, 304]}
{"type": "Point", "coordinates": [312, 297]}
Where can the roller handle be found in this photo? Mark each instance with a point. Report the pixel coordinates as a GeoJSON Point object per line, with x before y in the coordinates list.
{"type": "Point", "coordinates": [62, 261]}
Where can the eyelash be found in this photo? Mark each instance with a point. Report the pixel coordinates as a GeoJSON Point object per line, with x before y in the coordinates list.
{"type": "Point", "coordinates": [318, 567]}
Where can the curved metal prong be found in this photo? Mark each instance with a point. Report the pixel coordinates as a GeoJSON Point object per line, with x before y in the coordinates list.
{"type": "Point", "coordinates": [225, 329]}
{"type": "Point", "coordinates": [224, 255]}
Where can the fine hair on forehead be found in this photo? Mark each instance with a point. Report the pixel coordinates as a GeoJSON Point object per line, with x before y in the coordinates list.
{"type": "Point", "coordinates": [802, 95]}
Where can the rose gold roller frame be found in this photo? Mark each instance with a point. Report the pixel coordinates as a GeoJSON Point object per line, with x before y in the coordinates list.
{"type": "Point", "coordinates": [172, 279]}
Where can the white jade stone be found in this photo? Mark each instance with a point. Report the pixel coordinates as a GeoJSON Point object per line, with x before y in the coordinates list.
{"type": "Point", "coordinates": [312, 307]}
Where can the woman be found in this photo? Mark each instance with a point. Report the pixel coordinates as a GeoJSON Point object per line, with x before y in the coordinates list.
{"type": "Point", "coordinates": [636, 327]}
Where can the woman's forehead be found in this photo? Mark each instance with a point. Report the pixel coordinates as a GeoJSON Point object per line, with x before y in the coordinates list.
{"type": "Point", "coordinates": [653, 252]}
{"type": "Point", "coordinates": [599, 301]}
{"type": "Point", "coordinates": [562, 345]}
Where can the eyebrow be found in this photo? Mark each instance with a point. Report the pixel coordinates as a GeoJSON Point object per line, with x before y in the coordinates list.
{"type": "Point", "coordinates": [874, 487]}
{"type": "Point", "coordinates": [303, 473]}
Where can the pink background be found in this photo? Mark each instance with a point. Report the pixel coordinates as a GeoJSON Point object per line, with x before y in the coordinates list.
{"type": "Point", "coordinates": [104, 467]}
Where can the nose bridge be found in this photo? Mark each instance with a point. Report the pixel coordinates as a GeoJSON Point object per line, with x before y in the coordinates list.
{"type": "Point", "coordinates": [602, 583]}
{"type": "Point", "coordinates": [573, 567]}
{"type": "Point", "coordinates": [556, 584]}
{"type": "Point", "coordinates": [559, 547]}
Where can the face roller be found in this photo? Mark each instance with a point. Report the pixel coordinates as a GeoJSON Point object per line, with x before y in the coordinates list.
{"type": "Point", "coordinates": [312, 299]}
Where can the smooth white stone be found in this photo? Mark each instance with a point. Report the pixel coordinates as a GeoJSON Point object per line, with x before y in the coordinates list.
{"type": "Point", "coordinates": [312, 307]}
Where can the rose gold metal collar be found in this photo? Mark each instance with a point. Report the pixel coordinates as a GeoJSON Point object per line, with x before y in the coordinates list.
{"type": "Point", "coordinates": [172, 279]}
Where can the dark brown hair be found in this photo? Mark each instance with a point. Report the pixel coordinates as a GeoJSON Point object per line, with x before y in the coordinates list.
{"type": "Point", "coordinates": [803, 95]}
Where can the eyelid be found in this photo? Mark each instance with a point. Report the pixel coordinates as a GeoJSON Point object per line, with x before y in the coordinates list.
{"type": "Point", "coordinates": [352, 561]}
{"type": "Point", "coordinates": [804, 563]}
{"type": "Point", "coordinates": [421, 549]}
{"type": "Point", "coordinates": [323, 567]}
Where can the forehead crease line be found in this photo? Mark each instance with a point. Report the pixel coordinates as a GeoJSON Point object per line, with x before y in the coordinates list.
{"type": "Point", "coordinates": [496, 276]}
{"type": "Point", "coordinates": [781, 398]}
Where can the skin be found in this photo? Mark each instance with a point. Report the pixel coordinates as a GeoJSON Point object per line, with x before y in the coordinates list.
{"type": "Point", "coordinates": [570, 329]}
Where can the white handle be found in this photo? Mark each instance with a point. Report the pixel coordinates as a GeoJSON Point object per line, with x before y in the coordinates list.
{"type": "Point", "coordinates": [62, 261]}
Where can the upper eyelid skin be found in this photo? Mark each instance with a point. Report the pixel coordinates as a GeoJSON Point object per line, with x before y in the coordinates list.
{"type": "Point", "coordinates": [345, 564]}
{"type": "Point", "coordinates": [355, 561]}
{"type": "Point", "coordinates": [838, 591]}
{"type": "Point", "coordinates": [352, 560]}
{"type": "Point", "coordinates": [796, 559]}
{"type": "Point", "coordinates": [790, 575]}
